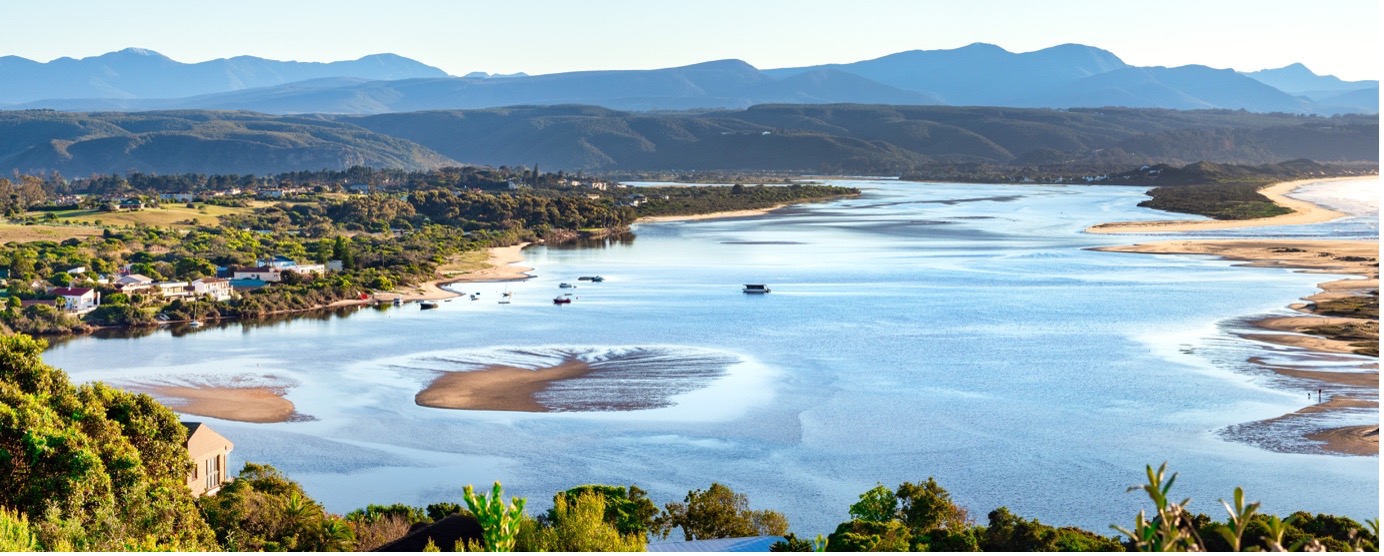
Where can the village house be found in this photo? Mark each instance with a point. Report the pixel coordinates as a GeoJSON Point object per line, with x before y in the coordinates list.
{"type": "Point", "coordinates": [133, 282]}
{"type": "Point", "coordinates": [282, 263]}
{"type": "Point", "coordinates": [174, 289]}
{"type": "Point", "coordinates": [131, 204]}
{"type": "Point", "coordinates": [218, 289]}
{"type": "Point", "coordinates": [260, 273]}
{"type": "Point", "coordinates": [208, 451]}
{"type": "Point", "coordinates": [78, 300]}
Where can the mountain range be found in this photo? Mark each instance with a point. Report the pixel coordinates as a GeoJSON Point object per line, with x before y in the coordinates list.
{"type": "Point", "coordinates": [838, 138]}
{"type": "Point", "coordinates": [1065, 76]}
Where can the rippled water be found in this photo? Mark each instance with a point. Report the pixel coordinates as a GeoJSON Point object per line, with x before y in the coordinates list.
{"type": "Point", "coordinates": [955, 331]}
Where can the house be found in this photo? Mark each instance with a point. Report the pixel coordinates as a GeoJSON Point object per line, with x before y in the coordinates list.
{"type": "Point", "coordinates": [733, 544]}
{"type": "Point", "coordinates": [77, 270]}
{"type": "Point", "coordinates": [261, 273]}
{"type": "Point", "coordinates": [208, 451]}
{"type": "Point", "coordinates": [173, 289]}
{"type": "Point", "coordinates": [131, 204]}
{"type": "Point", "coordinates": [177, 197]}
{"type": "Point", "coordinates": [216, 288]}
{"type": "Point", "coordinates": [133, 282]}
{"type": "Point", "coordinates": [78, 300]}
{"type": "Point", "coordinates": [281, 263]}
{"type": "Point", "coordinates": [360, 188]}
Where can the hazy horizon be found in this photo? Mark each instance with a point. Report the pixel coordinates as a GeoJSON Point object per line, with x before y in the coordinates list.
{"type": "Point", "coordinates": [544, 36]}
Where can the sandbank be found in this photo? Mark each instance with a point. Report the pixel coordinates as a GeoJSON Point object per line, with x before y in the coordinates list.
{"type": "Point", "coordinates": [1357, 441]}
{"type": "Point", "coordinates": [256, 404]}
{"type": "Point", "coordinates": [497, 387]}
{"type": "Point", "coordinates": [1303, 213]}
{"type": "Point", "coordinates": [710, 215]}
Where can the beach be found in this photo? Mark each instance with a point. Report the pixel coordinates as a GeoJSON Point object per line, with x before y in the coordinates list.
{"type": "Point", "coordinates": [497, 387]}
{"type": "Point", "coordinates": [501, 264]}
{"type": "Point", "coordinates": [710, 215]}
{"type": "Point", "coordinates": [1303, 213]}
{"type": "Point", "coordinates": [1334, 333]}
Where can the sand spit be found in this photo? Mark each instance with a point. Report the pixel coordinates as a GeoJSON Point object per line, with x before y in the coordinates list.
{"type": "Point", "coordinates": [1303, 213]}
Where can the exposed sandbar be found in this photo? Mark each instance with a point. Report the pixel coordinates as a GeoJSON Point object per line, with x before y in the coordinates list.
{"type": "Point", "coordinates": [1303, 213]}
{"type": "Point", "coordinates": [501, 265]}
{"type": "Point", "coordinates": [1357, 441]}
{"type": "Point", "coordinates": [497, 387]}
{"type": "Point", "coordinates": [255, 404]}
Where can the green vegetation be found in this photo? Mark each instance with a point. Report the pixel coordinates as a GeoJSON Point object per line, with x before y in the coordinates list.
{"type": "Point", "coordinates": [1222, 192]}
{"type": "Point", "coordinates": [261, 510]}
{"type": "Point", "coordinates": [90, 467]}
{"type": "Point", "coordinates": [499, 521]}
{"type": "Point", "coordinates": [704, 199]}
{"type": "Point", "coordinates": [718, 513]}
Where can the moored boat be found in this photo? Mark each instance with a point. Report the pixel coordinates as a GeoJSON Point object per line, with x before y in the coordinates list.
{"type": "Point", "coordinates": [425, 305]}
{"type": "Point", "coordinates": [756, 288]}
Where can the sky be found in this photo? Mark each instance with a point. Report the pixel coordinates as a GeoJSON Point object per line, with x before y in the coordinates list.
{"type": "Point", "coordinates": [1337, 37]}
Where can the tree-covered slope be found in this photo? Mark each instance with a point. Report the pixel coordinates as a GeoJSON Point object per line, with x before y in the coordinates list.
{"type": "Point", "coordinates": [40, 141]}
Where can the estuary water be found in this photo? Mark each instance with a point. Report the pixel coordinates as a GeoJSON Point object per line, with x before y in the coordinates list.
{"type": "Point", "coordinates": [961, 332]}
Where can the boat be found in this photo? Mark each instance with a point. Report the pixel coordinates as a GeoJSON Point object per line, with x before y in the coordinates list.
{"type": "Point", "coordinates": [756, 288]}
{"type": "Point", "coordinates": [561, 300]}
{"type": "Point", "coordinates": [398, 301]}
{"type": "Point", "coordinates": [425, 305]}
{"type": "Point", "coordinates": [194, 323]}
{"type": "Point", "coordinates": [474, 297]}
{"type": "Point", "coordinates": [565, 285]}
{"type": "Point", "coordinates": [597, 279]}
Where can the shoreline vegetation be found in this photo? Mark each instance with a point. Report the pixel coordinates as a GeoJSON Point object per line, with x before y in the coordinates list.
{"type": "Point", "coordinates": [1341, 318]}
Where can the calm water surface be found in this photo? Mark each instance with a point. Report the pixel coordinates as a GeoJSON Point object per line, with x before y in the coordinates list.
{"type": "Point", "coordinates": [961, 332]}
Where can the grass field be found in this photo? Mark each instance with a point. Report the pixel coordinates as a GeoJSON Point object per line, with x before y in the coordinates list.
{"type": "Point", "coordinates": [39, 232]}
{"type": "Point", "coordinates": [174, 215]}
{"type": "Point", "coordinates": [465, 262]}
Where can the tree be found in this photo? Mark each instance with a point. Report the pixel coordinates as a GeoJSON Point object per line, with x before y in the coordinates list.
{"type": "Point", "coordinates": [630, 511]}
{"type": "Point", "coordinates": [499, 523]}
{"type": "Point", "coordinates": [877, 504]}
{"type": "Point", "coordinates": [61, 279]}
{"type": "Point", "coordinates": [192, 268]}
{"type": "Point", "coordinates": [928, 506]}
{"type": "Point", "coordinates": [578, 524]}
{"type": "Point", "coordinates": [719, 513]}
{"type": "Point", "coordinates": [92, 467]}
{"type": "Point", "coordinates": [262, 510]}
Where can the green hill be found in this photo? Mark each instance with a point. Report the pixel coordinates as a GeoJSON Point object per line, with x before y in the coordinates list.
{"type": "Point", "coordinates": [195, 142]}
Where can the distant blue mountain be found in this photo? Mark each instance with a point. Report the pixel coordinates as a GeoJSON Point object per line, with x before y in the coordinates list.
{"type": "Point", "coordinates": [1296, 79]}
{"type": "Point", "coordinates": [1181, 88]}
{"type": "Point", "coordinates": [1065, 76]}
{"type": "Point", "coordinates": [144, 74]}
{"type": "Point", "coordinates": [979, 74]}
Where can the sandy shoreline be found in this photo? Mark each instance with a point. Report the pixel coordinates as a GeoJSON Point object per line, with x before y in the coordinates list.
{"type": "Point", "coordinates": [1303, 213]}
{"type": "Point", "coordinates": [497, 387]}
{"type": "Point", "coordinates": [1358, 257]}
{"type": "Point", "coordinates": [710, 215]}
{"type": "Point", "coordinates": [256, 404]}
{"type": "Point", "coordinates": [501, 265]}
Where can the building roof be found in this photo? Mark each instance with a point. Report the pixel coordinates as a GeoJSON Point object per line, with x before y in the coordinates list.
{"type": "Point", "coordinates": [256, 269]}
{"type": "Point", "coordinates": [444, 534]}
{"type": "Point", "coordinates": [134, 279]}
{"type": "Point", "coordinates": [738, 544]}
{"type": "Point", "coordinates": [71, 291]}
{"type": "Point", "coordinates": [202, 440]}
{"type": "Point", "coordinates": [210, 280]}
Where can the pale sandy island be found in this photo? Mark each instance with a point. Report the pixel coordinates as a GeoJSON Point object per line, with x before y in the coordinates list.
{"type": "Point", "coordinates": [710, 215]}
{"type": "Point", "coordinates": [1359, 440]}
{"type": "Point", "coordinates": [256, 404]}
{"type": "Point", "coordinates": [497, 387]}
{"type": "Point", "coordinates": [1303, 213]}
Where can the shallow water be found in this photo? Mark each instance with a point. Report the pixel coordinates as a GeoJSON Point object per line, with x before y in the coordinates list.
{"type": "Point", "coordinates": [961, 332]}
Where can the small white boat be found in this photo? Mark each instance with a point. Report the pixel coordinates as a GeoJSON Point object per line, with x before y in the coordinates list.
{"type": "Point", "coordinates": [565, 285]}
{"type": "Point", "coordinates": [194, 323]}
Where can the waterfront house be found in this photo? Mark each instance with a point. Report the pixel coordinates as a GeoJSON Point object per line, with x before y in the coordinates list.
{"type": "Point", "coordinates": [261, 273]}
{"type": "Point", "coordinates": [78, 300]}
{"type": "Point", "coordinates": [218, 289]}
{"type": "Point", "coordinates": [133, 282]}
{"type": "Point", "coordinates": [208, 451]}
{"type": "Point", "coordinates": [173, 289]}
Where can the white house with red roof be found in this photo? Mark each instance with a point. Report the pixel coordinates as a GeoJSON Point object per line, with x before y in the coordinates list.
{"type": "Point", "coordinates": [78, 300]}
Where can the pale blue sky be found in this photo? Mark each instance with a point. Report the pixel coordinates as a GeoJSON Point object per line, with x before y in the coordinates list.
{"type": "Point", "coordinates": [1339, 37]}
